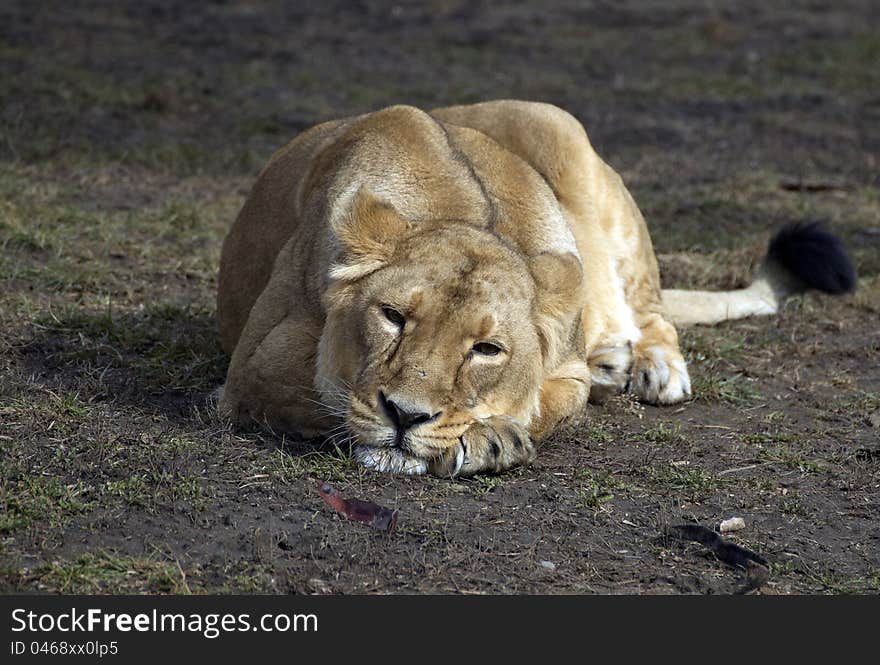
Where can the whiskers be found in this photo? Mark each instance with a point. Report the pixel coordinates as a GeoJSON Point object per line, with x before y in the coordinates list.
{"type": "Point", "coordinates": [331, 400]}
{"type": "Point", "coordinates": [334, 398]}
{"type": "Point", "coordinates": [358, 423]}
{"type": "Point", "coordinates": [342, 440]}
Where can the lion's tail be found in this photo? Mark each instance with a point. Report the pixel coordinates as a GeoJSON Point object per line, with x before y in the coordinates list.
{"type": "Point", "coordinates": [800, 257]}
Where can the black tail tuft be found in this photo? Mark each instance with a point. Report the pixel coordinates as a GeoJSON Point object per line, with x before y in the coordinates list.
{"type": "Point", "coordinates": [814, 256]}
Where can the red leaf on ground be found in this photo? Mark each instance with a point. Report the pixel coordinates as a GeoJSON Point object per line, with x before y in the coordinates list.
{"type": "Point", "coordinates": [367, 512]}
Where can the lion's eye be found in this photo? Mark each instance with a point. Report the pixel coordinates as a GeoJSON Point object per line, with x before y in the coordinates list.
{"type": "Point", "coordinates": [487, 349]}
{"type": "Point", "coordinates": [394, 316]}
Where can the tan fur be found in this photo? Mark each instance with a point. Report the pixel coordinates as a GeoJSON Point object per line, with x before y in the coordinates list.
{"type": "Point", "coordinates": [492, 223]}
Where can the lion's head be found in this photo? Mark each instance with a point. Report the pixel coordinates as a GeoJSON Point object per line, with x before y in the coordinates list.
{"type": "Point", "coordinates": [430, 328]}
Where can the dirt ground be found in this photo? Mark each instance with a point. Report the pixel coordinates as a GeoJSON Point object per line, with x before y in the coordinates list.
{"type": "Point", "coordinates": [129, 136]}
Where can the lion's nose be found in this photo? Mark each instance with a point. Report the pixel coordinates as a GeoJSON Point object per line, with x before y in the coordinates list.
{"type": "Point", "coordinates": [404, 415]}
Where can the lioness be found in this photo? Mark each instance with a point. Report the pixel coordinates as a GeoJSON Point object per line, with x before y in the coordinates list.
{"type": "Point", "coordinates": [448, 287]}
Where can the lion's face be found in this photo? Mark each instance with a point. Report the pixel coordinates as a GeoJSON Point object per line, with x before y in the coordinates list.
{"type": "Point", "coordinates": [441, 335]}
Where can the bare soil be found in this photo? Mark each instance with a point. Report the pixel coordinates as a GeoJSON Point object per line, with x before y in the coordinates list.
{"type": "Point", "coordinates": [130, 133]}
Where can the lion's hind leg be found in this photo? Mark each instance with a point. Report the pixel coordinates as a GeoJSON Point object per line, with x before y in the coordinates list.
{"type": "Point", "coordinates": [659, 371]}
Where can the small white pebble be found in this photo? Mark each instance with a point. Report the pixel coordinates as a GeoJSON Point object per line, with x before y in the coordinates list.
{"type": "Point", "coordinates": [549, 565]}
{"type": "Point", "coordinates": [733, 524]}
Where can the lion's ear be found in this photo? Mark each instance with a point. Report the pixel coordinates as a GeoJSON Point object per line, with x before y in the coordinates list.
{"type": "Point", "coordinates": [559, 278]}
{"type": "Point", "coordinates": [368, 232]}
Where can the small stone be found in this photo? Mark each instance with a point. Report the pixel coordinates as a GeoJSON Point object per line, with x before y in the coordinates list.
{"type": "Point", "coordinates": [733, 524]}
{"type": "Point", "coordinates": [548, 565]}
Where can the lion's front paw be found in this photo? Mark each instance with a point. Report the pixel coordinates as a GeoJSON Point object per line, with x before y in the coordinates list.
{"type": "Point", "coordinates": [389, 460]}
{"type": "Point", "coordinates": [610, 368]}
{"type": "Point", "coordinates": [660, 376]}
{"type": "Point", "coordinates": [493, 444]}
